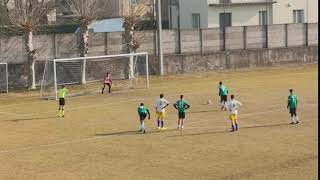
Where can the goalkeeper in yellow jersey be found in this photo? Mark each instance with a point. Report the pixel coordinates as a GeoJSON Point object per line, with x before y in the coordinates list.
{"type": "Point", "coordinates": [62, 94]}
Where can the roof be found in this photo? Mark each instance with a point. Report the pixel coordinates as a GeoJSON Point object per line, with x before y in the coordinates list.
{"type": "Point", "coordinates": [106, 25]}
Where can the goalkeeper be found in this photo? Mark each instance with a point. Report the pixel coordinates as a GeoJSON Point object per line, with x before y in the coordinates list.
{"type": "Point", "coordinates": [107, 81]}
{"type": "Point", "coordinates": [62, 94]}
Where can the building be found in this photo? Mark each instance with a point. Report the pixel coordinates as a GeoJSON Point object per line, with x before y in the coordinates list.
{"type": "Point", "coordinates": [295, 11]}
{"type": "Point", "coordinates": [184, 14]}
{"type": "Point", "coordinates": [261, 12]}
{"type": "Point", "coordinates": [239, 12]}
{"type": "Point", "coordinates": [107, 9]}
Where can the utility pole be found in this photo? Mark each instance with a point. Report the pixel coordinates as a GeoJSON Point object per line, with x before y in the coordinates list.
{"type": "Point", "coordinates": [160, 55]}
{"type": "Point", "coordinates": [267, 19]}
{"type": "Point", "coordinates": [224, 26]}
{"type": "Point", "coordinates": [307, 11]}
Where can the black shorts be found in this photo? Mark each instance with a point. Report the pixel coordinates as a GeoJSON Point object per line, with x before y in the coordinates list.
{"type": "Point", "coordinates": [182, 115]}
{"type": "Point", "coordinates": [62, 102]}
{"type": "Point", "coordinates": [224, 99]}
{"type": "Point", "coordinates": [142, 116]}
{"type": "Point", "coordinates": [293, 111]}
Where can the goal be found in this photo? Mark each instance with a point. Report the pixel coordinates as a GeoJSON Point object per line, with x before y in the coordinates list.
{"type": "Point", "coordinates": [4, 77]}
{"type": "Point", "coordinates": [84, 75]}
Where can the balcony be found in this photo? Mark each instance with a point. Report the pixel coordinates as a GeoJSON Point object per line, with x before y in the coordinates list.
{"type": "Point", "coordinates": [238, 2]}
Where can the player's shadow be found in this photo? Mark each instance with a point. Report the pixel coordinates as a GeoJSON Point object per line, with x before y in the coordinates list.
{"type": "Point", "coordinates": [198, 112]}
{"type": "Point", "coordinates": [221, 132]}
{"type": "Point", "coordinates": [129, 133]}
{"type": "Point", "coordinates": [124, 133]}
{"type": "Point", "coordinates": [29, 119]}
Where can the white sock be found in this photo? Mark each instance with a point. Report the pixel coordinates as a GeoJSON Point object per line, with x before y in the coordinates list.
{"type": "Point", "coordinates": [142, 125]}
{"type": "Point", "coordinates": [297, 118]}
{"type": "Point", "coordinates": [293, 119]}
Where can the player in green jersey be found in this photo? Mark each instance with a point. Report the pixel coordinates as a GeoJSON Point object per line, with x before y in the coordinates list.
{"type": "Point", "coordinates": [182, 106]}
{"type": "Point", "coordinates": [223, 93]}
{"type": "Point", "coordinates": [292, 106]}
{"type": "Point", "coordinates": [143, 111]}
{"type": "Point", "coordinates": [62, 94]}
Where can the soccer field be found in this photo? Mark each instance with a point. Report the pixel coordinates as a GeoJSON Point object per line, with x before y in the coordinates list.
{"type": "Point", "coordinates": [98, 138]}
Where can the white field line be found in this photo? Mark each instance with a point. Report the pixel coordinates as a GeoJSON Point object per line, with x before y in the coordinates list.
{"type": "Point", "coordinates": [84, 107]}
{"type": "Point", "coordinates": [12, 114]}
{"type": "Point", "coordinates": [97, 137]}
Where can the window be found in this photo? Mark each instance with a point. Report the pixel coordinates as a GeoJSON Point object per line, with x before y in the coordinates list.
{"type": "Point", "coordinates": [225, 19]}
{"type": "Point", "coordinates": [224, 1]}
{"type": "Point", "coordinates": [298, 16]}
{"type": "Point", "coordinates": [196, 20]}
{"type": "Point", "coordinates": [135, 1]}
{"type": "Point", "coordinates": [263, 18]}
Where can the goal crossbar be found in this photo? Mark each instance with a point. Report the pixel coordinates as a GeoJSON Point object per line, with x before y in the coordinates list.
{"type": "Point", "coordinates": [99, 57]}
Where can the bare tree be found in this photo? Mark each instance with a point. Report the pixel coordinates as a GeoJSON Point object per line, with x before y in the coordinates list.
{"type": "Point", "coordinates": [132, 24]}
{"type": "Point", "coordinates": [27, 16]}
{"type": "Point", "coordinates": [4, 12]}
{"type": "Point", "coordinates": [87, 12]}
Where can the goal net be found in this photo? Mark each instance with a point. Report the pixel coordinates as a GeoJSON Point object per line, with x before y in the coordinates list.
{"type": "Point", "coordinates": [3, 77]}
{"type": "Point", "coordinates": [84, 75]}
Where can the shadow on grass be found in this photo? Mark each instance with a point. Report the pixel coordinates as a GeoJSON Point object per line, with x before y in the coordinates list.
{"type": "Point", "coordinates": [196, 112]}
{"type": "Point", "coordinates": [29, 119]}
{"type": "Point", "coordinates": [128, 133]}
{"type": "Point", "coordinates": [222, 132]}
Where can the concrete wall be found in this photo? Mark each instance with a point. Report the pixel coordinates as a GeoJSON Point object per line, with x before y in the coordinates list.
{"type": "Point", "coordinates": [190, 41]}
{"type": "Point", "coordinates": [201, 62]}
{"type": "Point", "coordinates": [115, 43]}
{"type": "Point", "coordinates": [170, 42]}
{"type": "Point", "coordinates": [52, 46]}
{"type": "Point", "coordinates": [296, 35]}
{"type": "Point", "coordinates": [313, 34]}
{"type": "Point", "coordinates": [202, 47]}
{"type": "Point", "coordinates": [255, 37]}
{"type": "Point", "coordinates": [234, 38]}
{"type": "Point", "coordinates": [211, 39]}
{"type": "Point", "coordinates": [277, 36]}
{"type": "Point", "coordinates": [12, 49]}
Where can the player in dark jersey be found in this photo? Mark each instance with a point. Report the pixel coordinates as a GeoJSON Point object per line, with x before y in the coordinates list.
{"type": "Point", "coordinates": [143, 111]}
{"type": "Point", "coordinates": [292, 106]}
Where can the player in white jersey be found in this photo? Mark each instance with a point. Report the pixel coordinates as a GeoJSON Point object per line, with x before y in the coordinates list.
{"type": "Point", "coordinates": [233, 106]}
{"type": "Point", "coordinates": [161, 104]}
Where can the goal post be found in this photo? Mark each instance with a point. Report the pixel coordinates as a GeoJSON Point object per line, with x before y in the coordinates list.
{"type": "Point", "coordinates": [84, 75]}
{"type": "Point", "coordinates": [4, 75]}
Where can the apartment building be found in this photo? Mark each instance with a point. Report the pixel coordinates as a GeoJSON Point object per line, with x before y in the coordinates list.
{"type": "Point", "coordinates": [239, 12]}
{"type": "Point", "coordinates": [295, 11]}
{"type": "Point", "coordinates": [261, 12]}
{"type": "Point", "coordinates": [184, 14]}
